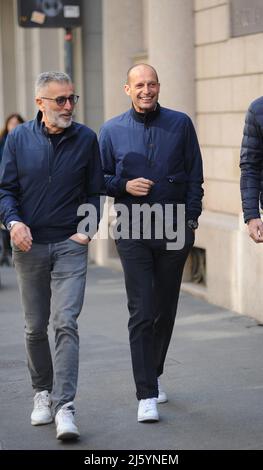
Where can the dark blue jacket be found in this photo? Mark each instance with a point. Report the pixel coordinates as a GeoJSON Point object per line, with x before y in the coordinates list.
{"type": "Point", "coordinates": [43, 187]}
{"type": "Point", "coordinates": [161, 146]}
{"type": "Point", "coordinates": [251, 161]}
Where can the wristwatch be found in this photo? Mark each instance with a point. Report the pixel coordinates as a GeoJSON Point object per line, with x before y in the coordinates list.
{"type": "Point", "coordinates": [11, 224]}
{"type": "Point", "coordinates": [193, 224]}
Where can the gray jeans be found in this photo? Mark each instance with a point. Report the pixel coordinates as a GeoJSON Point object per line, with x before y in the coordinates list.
{"type": "Point", "coordinates": [52, 278]}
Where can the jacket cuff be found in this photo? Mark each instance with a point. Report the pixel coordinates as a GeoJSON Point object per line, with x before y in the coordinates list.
{"type": "Point", "coordinates": [192, 215]}
{"type": "Point", "coordinates": [14, 218]}
{"type": "Point", "coordinates": [248, 217]}
{"type": "Point", "coordinates": [122, 184]}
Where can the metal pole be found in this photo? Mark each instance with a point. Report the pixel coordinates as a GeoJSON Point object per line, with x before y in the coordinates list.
{"type": "Point", "coordinates": [68, 52]}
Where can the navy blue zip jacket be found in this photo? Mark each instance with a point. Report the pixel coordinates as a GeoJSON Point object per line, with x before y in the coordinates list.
{"type": "Point", "coordinates": [251, 161]}
{"type": "Point", "coordinates": [43, 187]}
{"type": "Point", "coordinates": [161, 146]}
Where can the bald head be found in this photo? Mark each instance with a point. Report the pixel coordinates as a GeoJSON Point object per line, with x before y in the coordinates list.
{"type": "Point", "coordinates": [140, 68]}
{"type": "Point", "coordinates": [142, 87]}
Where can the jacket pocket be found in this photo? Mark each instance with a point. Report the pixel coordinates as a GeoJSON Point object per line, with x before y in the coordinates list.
{"type": "Point", "coordinates": [175, 188]}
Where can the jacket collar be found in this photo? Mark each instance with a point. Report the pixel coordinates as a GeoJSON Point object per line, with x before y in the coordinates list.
{"type": "Point", "coordinates": [145, 118]}
{"type": "Point", "coordinates": [69, 131]}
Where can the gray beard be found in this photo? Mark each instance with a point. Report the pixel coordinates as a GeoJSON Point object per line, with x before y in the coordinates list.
{"type": "Point", "coordinates": [62, 124]}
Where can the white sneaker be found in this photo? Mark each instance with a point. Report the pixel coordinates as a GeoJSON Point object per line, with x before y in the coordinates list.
{"type": "Point", "coordinates": [162, 397]}
{"type": "Point", "coordinates": [41, 413]}
{"type": "Point", "coordinates": [65, 422]}
{"type": "Point", "coordinates": [147, 410]}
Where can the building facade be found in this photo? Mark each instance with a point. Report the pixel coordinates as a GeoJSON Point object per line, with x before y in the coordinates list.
{"type": "Point", "coordinates": [208, 54]}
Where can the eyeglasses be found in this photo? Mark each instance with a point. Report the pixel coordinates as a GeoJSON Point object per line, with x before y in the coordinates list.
{"type": "Point", "coordinates": [61, 100]}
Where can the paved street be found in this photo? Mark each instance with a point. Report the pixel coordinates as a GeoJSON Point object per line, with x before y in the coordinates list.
{"type": "Point", "coordinates": [213, 376]}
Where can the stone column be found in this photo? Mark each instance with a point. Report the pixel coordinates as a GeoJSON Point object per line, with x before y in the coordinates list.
{"type": "Point", "coordinates": [7, 60]}
{"type": "Point", "coordinates": [92, 63]}
{"type": "Point", "coordinates": [122, 40]}
{"type": "Point", "coordinates": [2, 117]}
{"type": "Point", "coordinates": [171, 51]}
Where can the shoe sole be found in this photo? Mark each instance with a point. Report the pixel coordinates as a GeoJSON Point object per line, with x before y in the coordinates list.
{"type": "Point", "coordinates": [162, 400]}
{"type": "Point", "coordinates": [41, 423]}
{"type": "Point", "coordinates": [67, 436]}
{"type": "Point", "coordinates": [148, 420]}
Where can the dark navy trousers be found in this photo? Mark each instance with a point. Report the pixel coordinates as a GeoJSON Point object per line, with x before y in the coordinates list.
{"type": "Point", "coordinates": [153, 277]}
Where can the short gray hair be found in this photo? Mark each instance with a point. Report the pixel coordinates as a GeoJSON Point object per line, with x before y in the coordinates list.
{"type": "Point", "coordinates": [45, 78]}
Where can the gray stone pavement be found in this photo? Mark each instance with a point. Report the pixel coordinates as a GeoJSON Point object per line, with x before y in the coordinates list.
{"type": "Point", "coordinates": [213, 375]}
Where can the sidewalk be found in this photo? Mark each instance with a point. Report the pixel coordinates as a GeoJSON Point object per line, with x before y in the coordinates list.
{"type": "Point", "coordinates": [213, 377]}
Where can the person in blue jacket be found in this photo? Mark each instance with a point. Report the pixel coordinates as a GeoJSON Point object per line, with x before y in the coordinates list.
{"type": "Point", "coordinates": [150, 156]}
{"type": "Point", "coordinates": [50, 166]}
{"type": "Point", "coordinates": [251, 161]}
{"type": "Point", "coordinates": [11, 122]}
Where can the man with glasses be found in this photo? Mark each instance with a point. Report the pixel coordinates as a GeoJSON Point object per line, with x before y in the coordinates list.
{"type": "Point", "coordinates": [50, 166]}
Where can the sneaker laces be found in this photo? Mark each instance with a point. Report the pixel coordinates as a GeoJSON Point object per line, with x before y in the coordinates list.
{"type": "Point", "coordinates": [41, 400]}
{"type": "Point", "coordinates": [148, 403]}
{"type": "Point", "coordinates": [66, 414]}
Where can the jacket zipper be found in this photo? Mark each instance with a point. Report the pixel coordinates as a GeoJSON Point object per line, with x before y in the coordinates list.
{"type": "Point", "coordinates": [51, 151]}
{"type": "Point", "coordinates": [149, 145]}
{"type": "Point", "coordinates": [49, 160]}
